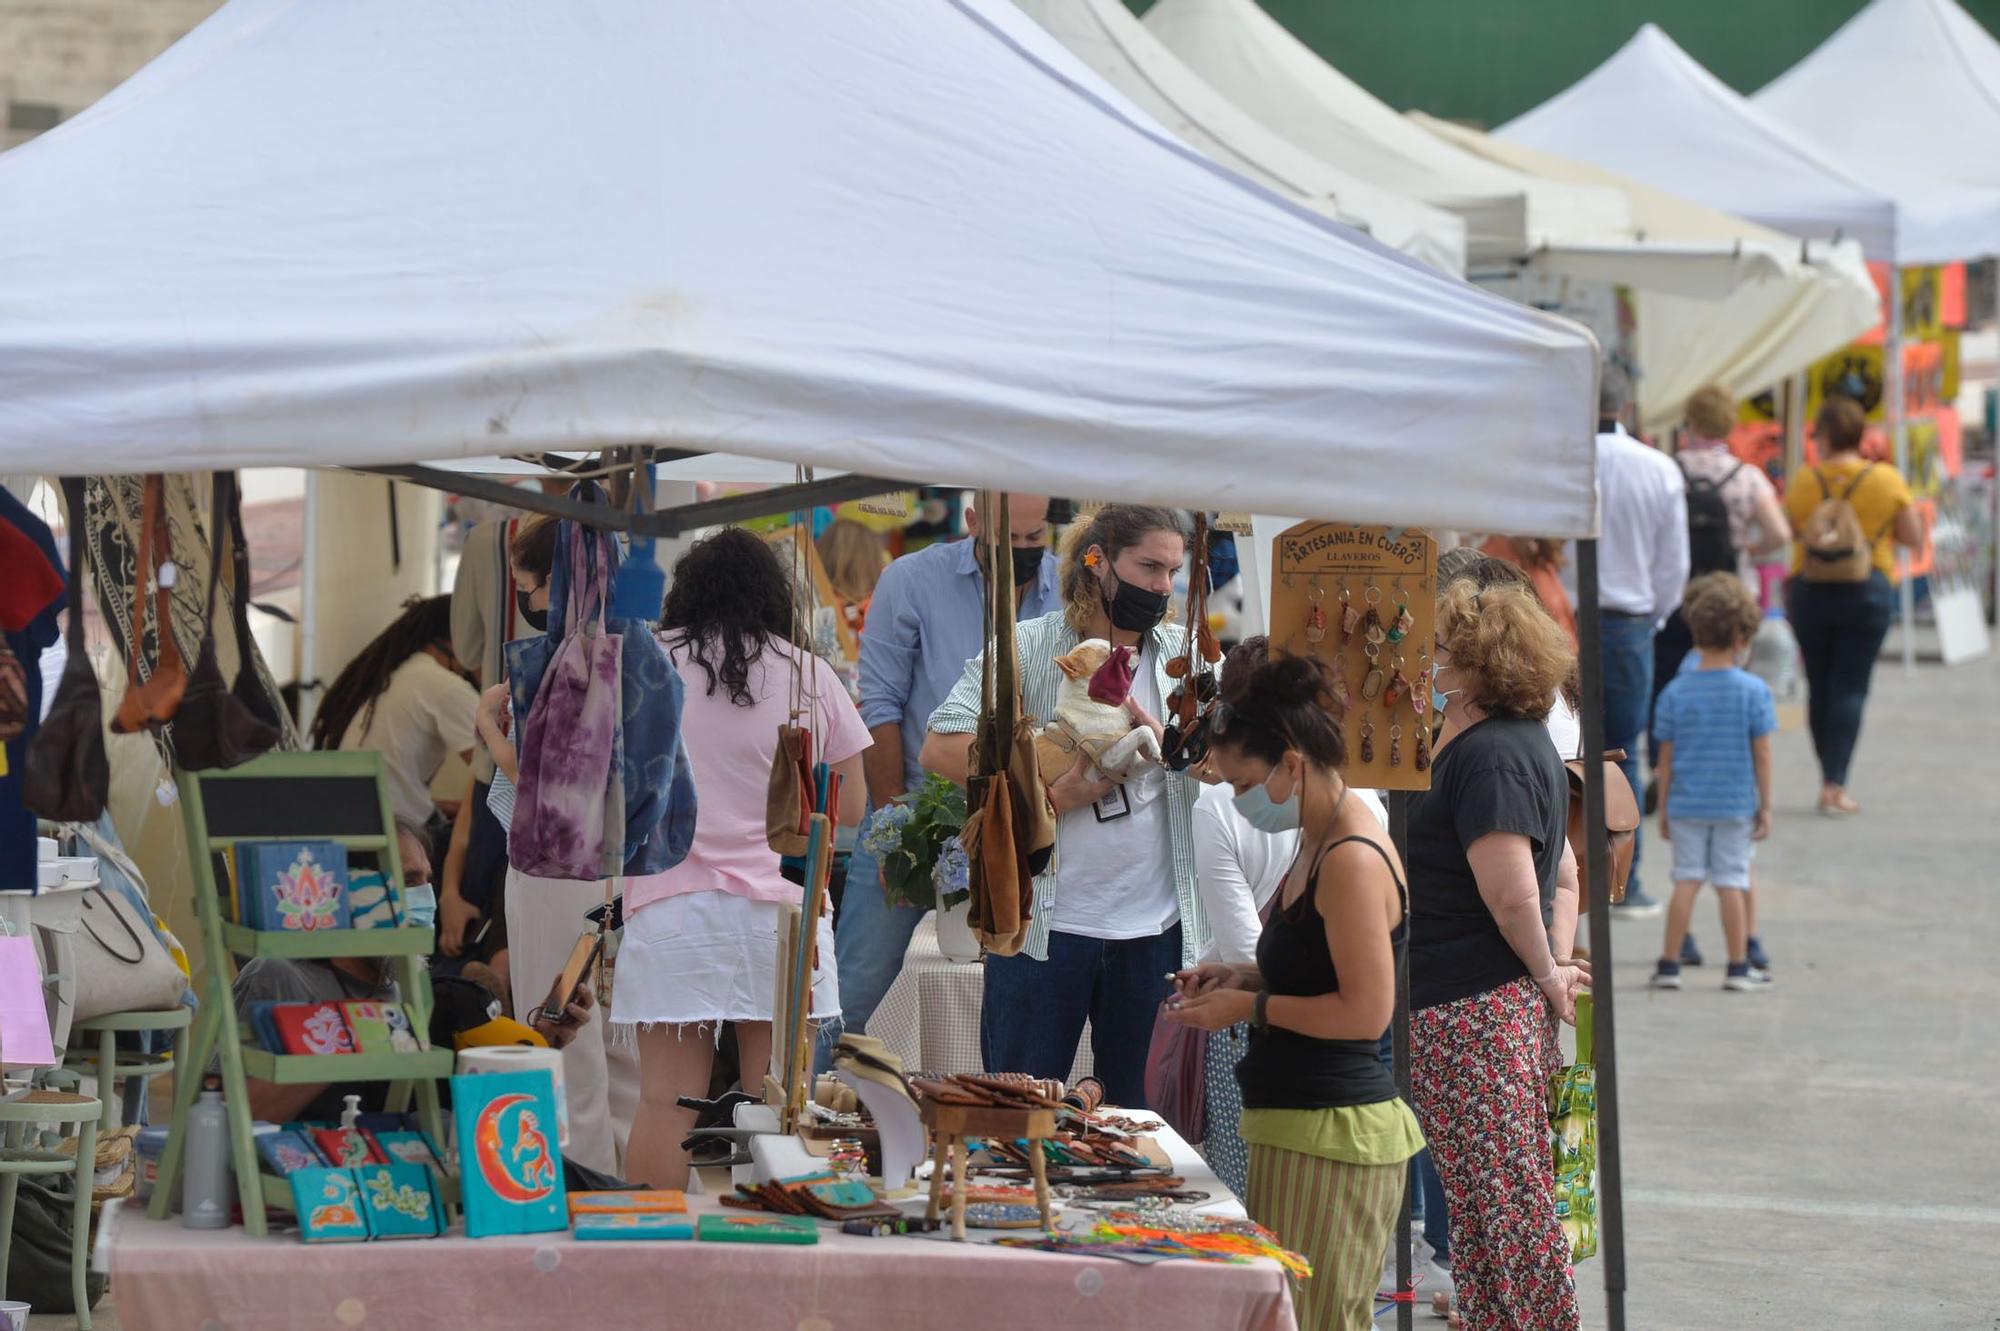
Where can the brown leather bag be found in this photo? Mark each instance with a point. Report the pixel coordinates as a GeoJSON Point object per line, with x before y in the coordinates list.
{"type": "Point", "coordinates": [1010, 828]}
{"type": "Point", "coordinates": [788, 800]}
{"type": "Point", "coordinates": [66, 775]}
{"type": "Point", "coordinates": [149, 703]}
{"type": "Point", "coordinates": [214, 729]}
{"type": "Point", "coordinates": [1621, 822]}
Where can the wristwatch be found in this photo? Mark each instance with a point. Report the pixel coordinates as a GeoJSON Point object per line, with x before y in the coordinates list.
{"type": "Point", "coordinates": [1257, 1017]}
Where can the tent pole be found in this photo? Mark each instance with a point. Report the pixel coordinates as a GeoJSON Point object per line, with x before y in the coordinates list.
{"type": "Point", "coordinates": [1899, 445]}
{"type": "Point", "coordinates": [308, 607]}
{"type": "Point", "coordinates": [1399, 837]}
{"type": "Point", "coordinates": [1610, 1193]}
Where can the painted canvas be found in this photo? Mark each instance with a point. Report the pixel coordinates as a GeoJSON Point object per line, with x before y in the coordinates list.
{"type": "Point", "coordinates": [399, 1201]}
{"type": "Point", "coordinates": [633, 1225]}
{"type": "Point", "coordinates": [293, 886]}
{"type": "Point", "coordinates": [287, 1151]}
{"type": "Point", "coordinates": [510, 1167]}
{"type": "Point", "coordinates": [346, 1146]}
{"type": "Point", "coordinates": [328, 1202]}
{"type": "Point", "coordinates": [758, 1229]}
{"type": "Point", "coordinates": [380, 1028]}
{"type": "Point", "coordinates": [369, 903]}
{"type": "Point", "coordinates": [409, 1146]}
{"type": "Point", "coordinates": [312, 1028]}
{"type": "Point", "coordinates": [650, 1201]}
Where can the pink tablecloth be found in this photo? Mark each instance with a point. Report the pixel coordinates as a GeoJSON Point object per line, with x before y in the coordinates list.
{"type": "Point", "coordinates": [165, 1278]}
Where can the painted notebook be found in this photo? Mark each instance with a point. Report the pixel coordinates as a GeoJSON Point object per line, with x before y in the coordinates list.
{"type": "Point", "coordinates": [347, 1146]}
{"type": "Point", "coordinates": [510, 1168]}
{"type": "Point", "coordinates": [399, 1201]}
{"type": "Point", "coordinates": [632, 1225]}
{"type": "Point", "coordinates": [758, 1229]}
{"type": "Point", "coordinates": [287, 1151]}
{"type": "Point", "coordinates": [312, 1028]}
{"type": "Point", "coordinates": [292, 886]}
{"type": "Point", "coordinates": [369, 905]}
{"type": "Point", "coordinates": [409, 1146]}
{"type": "Point", "coordinates": [328, 1202]}
{"type": "Point", "coordinates": [647, 1202]}
{"type": "Point", "coordinates": [380, 1028]}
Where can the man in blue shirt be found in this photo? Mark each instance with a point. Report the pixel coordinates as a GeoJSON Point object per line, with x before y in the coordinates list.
{"type": "Point", "coordinates": [927, 619]}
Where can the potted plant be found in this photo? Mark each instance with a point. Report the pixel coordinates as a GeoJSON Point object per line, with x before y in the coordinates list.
{"type": "Point", "coordinates": [915, 839]}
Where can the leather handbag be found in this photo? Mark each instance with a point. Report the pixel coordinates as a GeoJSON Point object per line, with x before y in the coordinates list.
{"type": "Point", "coordinates": [788, 797]}
{"type": "Point", "coordinates": [121, 965]}
{"type": "Point", "coordinates": [150, 701]}
{"type": "Point", "coordinates": [1621, 822]}
{"type": "Point", "coordinates": [1010, 829]}
{"type": "Point", "coordinates": [66, 776]}
{"type": "Point", "coordinates": [1177, 1076]}
{"type": "Point", "coordinates": [214, 729]}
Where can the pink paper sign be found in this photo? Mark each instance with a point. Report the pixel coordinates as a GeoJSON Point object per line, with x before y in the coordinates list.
{"type": "Point", "coordinates": [24, 1016]}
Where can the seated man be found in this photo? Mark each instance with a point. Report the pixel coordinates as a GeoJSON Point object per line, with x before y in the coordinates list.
{"type": "Point", "coordinates": [349, 979]}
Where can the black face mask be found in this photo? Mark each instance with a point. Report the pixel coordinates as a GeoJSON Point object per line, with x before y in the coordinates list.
{"type": "Point", "coordinates": [1027, 563]}
{"type": "Point", "coordinates": [534, 619]}
{"type": "Point", "coordinates": [1134, 609]}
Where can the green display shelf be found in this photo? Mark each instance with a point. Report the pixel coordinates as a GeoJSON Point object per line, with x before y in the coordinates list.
{"type": "Point", "coordinates": [246, 942]}
{"type": "Point", "coordinates": [312, 1069]}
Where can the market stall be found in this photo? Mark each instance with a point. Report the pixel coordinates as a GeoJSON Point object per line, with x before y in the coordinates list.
{"type": "Point", "coordinates": [726, 242]}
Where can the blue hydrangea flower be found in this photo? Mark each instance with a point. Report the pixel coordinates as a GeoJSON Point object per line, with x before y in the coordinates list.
{"type": "Point", "coordinates": [885, 829]}
{"type": "Point", "coordinates": [952, 874]}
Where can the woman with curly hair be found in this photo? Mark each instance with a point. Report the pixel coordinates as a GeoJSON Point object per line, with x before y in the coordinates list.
{"type": "Point", "coordinates": [700, 944]}
{"type": "Point", "coordinates": [1490, 946]}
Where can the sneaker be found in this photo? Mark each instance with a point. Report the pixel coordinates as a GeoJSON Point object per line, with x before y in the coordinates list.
{"type": "Point", "coordinates": [1667, 975]}
{"type": "Point", "coordinates": [1690, 954]}
{"type": "Point", "coordinates": [1637, 906]}
{"type": "Point", "coordinates": [1742, 979]}
{"type": "Point", "coordinates": [1758, 960]}
{"type": "Point", "coordinates": [1433, 1272]}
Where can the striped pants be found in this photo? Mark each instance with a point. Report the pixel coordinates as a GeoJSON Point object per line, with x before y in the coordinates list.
{"type": "Point", "coordinates": [1338, 1217]}
{"type": "Point", "coordinates": [1479, 1081]}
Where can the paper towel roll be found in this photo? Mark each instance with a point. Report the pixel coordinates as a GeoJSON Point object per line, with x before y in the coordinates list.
{"type": "Point", "coordinates": [520, 1058]}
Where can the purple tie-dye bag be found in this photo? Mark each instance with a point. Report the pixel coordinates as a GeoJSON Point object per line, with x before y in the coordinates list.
{"type": "Point", "coordinates": [565, 825]}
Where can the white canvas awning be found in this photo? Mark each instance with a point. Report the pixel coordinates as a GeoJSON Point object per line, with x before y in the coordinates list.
{"type": "Point", "coordinates": [913, 241]}
{"type": "Point", "coordinates": [1652, 112]}
{"type": "Point", "coordinates": [1119, 49]}
{"type": "Point", "coordinates": [1812, 298]}
{"type": "Point", "coordinates": [1905, 87]}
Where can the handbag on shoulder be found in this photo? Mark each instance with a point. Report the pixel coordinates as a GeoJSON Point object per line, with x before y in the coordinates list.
{"type": "Point", "coordinates": [1621, 824]}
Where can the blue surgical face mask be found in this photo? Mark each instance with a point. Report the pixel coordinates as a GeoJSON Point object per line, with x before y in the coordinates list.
{"type": "Point", "coordinates": [420, 905]}
{"type": "Point", "coordinates": [1266, 814]}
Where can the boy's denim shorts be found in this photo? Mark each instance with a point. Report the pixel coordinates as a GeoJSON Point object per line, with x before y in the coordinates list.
{"type": "Point", "coordinates": [1716, 851]}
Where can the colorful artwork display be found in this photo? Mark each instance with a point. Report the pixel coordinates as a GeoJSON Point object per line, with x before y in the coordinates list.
{"type": "Point", "coordinates": [292, 886]}
{"type": "Point", "coordinates": [510, 1167]}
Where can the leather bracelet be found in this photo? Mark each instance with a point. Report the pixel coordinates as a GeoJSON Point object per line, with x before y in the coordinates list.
{"type": "Point", "coordinates": [1257, 1016]}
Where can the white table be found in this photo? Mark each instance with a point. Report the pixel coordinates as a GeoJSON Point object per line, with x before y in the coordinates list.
{"type": "Point", "coordinates": [930, 1016]}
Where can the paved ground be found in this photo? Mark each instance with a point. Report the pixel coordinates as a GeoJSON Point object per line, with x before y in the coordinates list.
{"type": "Point", "coordinates": [1826, 1155]}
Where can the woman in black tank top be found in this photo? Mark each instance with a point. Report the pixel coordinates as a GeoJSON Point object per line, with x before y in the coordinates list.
{"type": "Point", "coordinates": [1328, 1134]}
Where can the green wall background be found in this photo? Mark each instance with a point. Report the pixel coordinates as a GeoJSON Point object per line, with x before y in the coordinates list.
{"type": "Point", "coordinates": [1486, 61]}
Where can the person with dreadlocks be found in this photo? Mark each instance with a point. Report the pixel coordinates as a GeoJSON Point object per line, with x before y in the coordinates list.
{"type": "Point", "coordinates": [404, 695]}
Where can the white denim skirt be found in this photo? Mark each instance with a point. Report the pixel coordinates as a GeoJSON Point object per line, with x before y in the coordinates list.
{"type": "Point", "coordinates": [706, 957]}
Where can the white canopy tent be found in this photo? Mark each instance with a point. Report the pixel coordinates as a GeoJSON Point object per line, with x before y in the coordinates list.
{"type": "Point", "coordinates": [1904, 87]}
{"type": "Point", "coordinates": [342, 235]}
{"type": "Point", "coordinates": [1652, 112]}
{"type": "Point", "coordinates": [1818, 299]}
{"type": "Point", "coordinates": [1131, 60]}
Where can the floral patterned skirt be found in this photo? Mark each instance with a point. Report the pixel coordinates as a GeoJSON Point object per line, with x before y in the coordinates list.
{"type": "Point", "coordinates": [1479, 1071]}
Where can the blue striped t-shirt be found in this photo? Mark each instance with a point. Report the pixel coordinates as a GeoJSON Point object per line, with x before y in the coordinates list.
{"type": "Point", "coordinates": [1710, 717]}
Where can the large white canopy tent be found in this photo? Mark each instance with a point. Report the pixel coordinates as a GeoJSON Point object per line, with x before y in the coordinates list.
{"type": "Point", "coordinates": [1905, 86]}
{"type": "Point", "coordinates": [1134, 63]}
{"type": "Point", "coordinates": [1818, 299]}
{"type": "Point", "coordinates": [316, 235]}
{"type": "Point", "coordinates": [1652, 112]}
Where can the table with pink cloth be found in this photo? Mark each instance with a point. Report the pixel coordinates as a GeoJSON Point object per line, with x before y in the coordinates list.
{"type": "Point", "coordinates": [174, 1279]}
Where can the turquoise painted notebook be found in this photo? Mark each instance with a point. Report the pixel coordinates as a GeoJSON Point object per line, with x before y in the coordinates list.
{"type": "Point", "coordinates": [509, 1166]}
{"type": "Point", "coordinates": [758, 1229]}
{"type": "Point", "coordinates": [292, 886]}
{"type": "Point", "coordinates": [634, 1225]}
{"type": "Point", "coordinates": [328, 1202]}
{"type": "Point", "coordinates": [399, 1202]}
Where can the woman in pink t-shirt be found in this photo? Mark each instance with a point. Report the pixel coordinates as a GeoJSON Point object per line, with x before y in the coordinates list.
{"type": "Point", "coordinates": [701, 939]}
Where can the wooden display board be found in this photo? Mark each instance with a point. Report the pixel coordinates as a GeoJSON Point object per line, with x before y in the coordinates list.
{"type": "Point", "coordinates": [1326, 579]}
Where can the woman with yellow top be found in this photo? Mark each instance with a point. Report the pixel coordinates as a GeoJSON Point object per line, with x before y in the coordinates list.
{"type": "Point", "coordinates": [1329, 1136]}
{"type": "Point", "coordinates": [1841, 610]}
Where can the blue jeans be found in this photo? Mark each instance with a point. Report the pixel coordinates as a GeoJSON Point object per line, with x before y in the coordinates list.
{"type": "Point", "coordinates": [1427, 1205]}
{"type": "Point", "coordinates": [1034, 1011]}
{"type": "Point", "coordinates": [869, 940]}
{"type": "Point", "coordinates": [1840, 627]}
{"type": "Point", "coordinates": [1628, 701]}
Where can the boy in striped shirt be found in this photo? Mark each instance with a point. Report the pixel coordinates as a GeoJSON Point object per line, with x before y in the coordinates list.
{"type": "Point", "coordinates": [1714, 724]}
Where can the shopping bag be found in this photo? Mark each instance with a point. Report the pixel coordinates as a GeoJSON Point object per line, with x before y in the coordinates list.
{"type": "Point", "coordinates": [1573, 1124]}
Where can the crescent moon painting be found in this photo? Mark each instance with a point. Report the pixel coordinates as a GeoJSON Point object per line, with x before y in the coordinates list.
{"type": "Point", "coordinates": [515, 1164]}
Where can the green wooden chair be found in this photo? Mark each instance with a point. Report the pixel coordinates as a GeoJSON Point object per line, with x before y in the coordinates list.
{"type": "Point", "coordinates": [17, 1157]}
{"type": "Point", "coordinates": [134, 1071]}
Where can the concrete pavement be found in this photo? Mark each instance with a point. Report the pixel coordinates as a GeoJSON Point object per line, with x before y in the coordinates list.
{"type": "Point", "coordinates": [1826, 1154]}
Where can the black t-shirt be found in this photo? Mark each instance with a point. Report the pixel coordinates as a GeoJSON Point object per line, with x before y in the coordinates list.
{"type": "Point", "coordinates": [1502, 775]}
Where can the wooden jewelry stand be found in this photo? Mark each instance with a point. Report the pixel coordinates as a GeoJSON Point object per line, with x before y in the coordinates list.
{"type": "Point", "coordinates": [328, 796]}
{"type": "Point", "coordinates": [1321, 571]}
{"type": "Point", "coordinates": [950, 1125]}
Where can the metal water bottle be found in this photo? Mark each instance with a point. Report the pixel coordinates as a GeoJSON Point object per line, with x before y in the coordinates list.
{"type": "Point", "coordinates": [208, 1192]}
